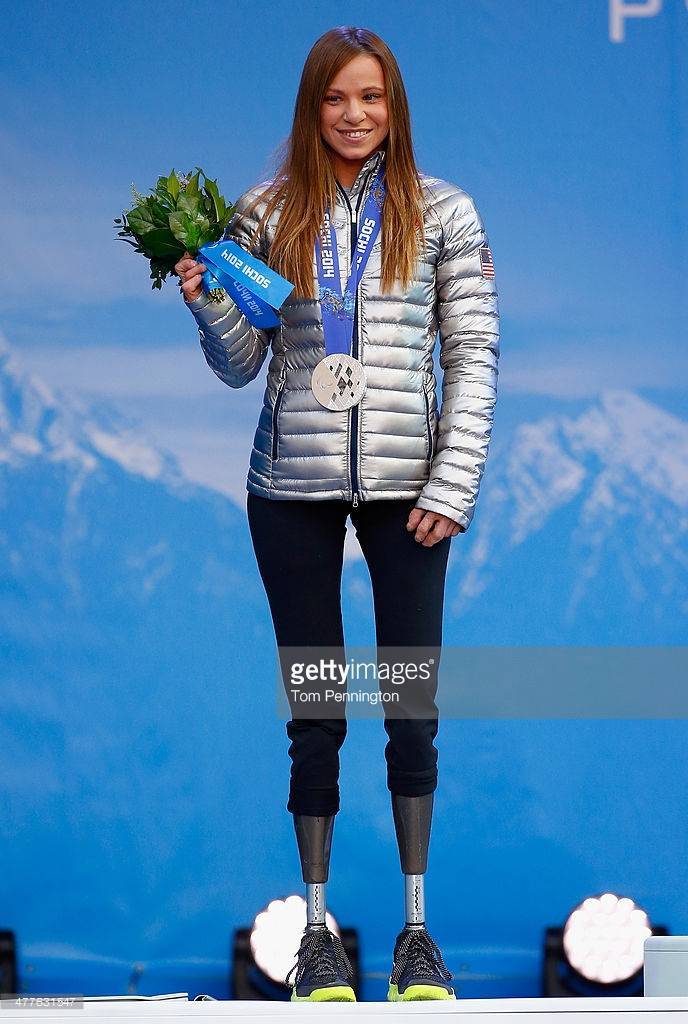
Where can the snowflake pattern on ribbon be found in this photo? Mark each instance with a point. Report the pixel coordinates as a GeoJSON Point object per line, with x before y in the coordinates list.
{"type": "Point", "coordinates": [378, 194]}
{"type": "Point", "coordinates": [340, 307]}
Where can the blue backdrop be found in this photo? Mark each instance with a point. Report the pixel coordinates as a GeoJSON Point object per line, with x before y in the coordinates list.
{"type": "Point", "coordinates": [143, 771]}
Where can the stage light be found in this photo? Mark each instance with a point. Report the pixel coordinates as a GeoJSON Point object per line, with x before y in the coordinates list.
{"type": "Point", "coordinates": [603, 938]}
{"type": "Point", "coordinates": [263, 954]}
{"type": "Point", "coordinates": [599, 951]}
{"type": "Point", "coordinates": [276, 934]}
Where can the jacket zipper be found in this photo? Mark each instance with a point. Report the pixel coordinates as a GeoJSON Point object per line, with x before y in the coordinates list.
{"type": "Point", "coordinates": [426, 386]}
{"type": "Point", "coordinates": [275, 411]}
{"type": "Point", "coordinates": [353, 462]}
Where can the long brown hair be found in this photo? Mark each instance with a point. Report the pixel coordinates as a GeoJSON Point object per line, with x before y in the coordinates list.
{"type": "Point", "coordinates": [304, 182]}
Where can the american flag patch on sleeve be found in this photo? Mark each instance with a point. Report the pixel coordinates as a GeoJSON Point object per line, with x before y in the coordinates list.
{"type": "Point", "coordinates": [486, 262]}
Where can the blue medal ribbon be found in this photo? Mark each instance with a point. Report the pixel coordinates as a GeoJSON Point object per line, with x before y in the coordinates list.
{"type": "Point", "coordinates": [257, 289]}
{"type": "Point", "coordinates": [338, 309]}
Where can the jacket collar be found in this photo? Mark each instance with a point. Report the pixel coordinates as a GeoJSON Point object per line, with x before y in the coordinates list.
{"type": "Point", "coordinates": [371, 165]}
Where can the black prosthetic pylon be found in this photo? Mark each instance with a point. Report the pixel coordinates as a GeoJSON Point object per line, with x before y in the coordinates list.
{"type": "Point", "coordinates": [412, 821]}
{"type": "Point", "coordinates": [314, 838]}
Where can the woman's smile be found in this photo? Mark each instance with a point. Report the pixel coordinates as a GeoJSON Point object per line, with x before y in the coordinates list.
{"type": "Point", "coordinates": [354, 135]}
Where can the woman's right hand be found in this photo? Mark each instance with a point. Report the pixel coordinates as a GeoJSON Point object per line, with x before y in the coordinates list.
{"type": "Point", "coordinates": [189, 272]}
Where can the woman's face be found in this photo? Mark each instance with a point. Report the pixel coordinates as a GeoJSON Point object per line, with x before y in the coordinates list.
{"type": "Point", "coordinates": [355, 99]}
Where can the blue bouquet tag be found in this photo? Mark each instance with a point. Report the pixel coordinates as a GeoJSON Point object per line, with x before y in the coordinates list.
{"type": "Point", "coordinates": [256, 288]}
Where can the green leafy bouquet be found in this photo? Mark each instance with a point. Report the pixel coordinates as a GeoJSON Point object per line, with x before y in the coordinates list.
{"type": "Point", "coordinates": [179, 216]}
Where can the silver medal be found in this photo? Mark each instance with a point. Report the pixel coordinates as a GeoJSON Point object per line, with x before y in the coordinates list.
{"type": "Point", "coordinates": [338, 381]}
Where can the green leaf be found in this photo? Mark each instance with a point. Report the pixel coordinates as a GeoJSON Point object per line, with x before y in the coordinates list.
{"type": "Point", "coordinates": [159, 216]}
{"type": "Point", "coordinates": [140, 222]}
{"type": "Point", "coordinates": [189, 203]}
{"type": "Point", "coordinates": [164, 200]}
{"type": "Point", "coordinates": [173, 185]}
{"type": "Point", "coordinates": [159, 243]}
{"type": "Point", "coordinates": [218, 201]}
{"type": "Point", "coordinates": [192, 188]}
{"type": "Point", "coordinates": [191, 229]}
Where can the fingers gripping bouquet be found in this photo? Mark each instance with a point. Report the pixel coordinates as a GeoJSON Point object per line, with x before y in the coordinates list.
{"type": "Point", "coordinates": [184, 217]}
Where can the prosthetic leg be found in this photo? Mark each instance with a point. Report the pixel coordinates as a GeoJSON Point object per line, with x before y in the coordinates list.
{"type": "Point", "coordinates": [419, 971]}
{"type": "Point", "coordinates": [412, 822]}
{"type": "Point", "coordinates": [314, 838]}
{"type": "Point", "coordinates": [323, 968]}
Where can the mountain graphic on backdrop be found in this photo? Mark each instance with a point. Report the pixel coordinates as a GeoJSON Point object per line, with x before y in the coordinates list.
{"type": "Point", "coordinates": [110, 554]}
{"type": "Point", "coordinates": [582, 532]}
{"type": "Point", "coordinates": [111, 560]}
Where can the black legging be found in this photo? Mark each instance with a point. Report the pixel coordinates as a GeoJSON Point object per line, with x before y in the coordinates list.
{"type": "Point", "coordinates": [299, 547]}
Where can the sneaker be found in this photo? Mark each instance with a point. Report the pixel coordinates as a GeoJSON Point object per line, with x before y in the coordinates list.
{"type": "Point", "coordinates": [419, 972]}
{"type": "Point", "coordinates": [322, 969]}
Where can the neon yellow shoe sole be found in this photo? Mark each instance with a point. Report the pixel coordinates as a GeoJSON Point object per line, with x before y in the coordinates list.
{"type": "Point", "coordinates": [333, 994]}
{"type": "Point", "coordinates": [417, 992]}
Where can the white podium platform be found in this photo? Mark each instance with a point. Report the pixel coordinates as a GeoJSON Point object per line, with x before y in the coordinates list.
{"type": "Point", "coordinates": [635, 1010]}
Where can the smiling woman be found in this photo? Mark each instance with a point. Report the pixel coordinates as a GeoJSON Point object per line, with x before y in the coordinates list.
{"type": "Point", "coordinates": [353, 116]}
{"type": "Point", "coordinates": [382, 257]}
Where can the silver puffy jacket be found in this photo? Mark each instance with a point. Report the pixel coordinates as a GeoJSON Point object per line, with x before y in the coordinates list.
{"type": "Point", "coordinates": [393, 444]}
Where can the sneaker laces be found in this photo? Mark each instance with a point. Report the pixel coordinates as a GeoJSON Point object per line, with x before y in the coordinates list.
{"type": "Point", "coordinates": [322, 949]}
{"type": "Point", "coordinates": [420, 955]}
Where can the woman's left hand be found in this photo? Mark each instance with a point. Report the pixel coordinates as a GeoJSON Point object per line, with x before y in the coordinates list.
{"type": "Point", "coordinates": [431, 526]}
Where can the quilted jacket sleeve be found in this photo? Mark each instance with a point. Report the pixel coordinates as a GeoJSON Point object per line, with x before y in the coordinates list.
{"type": "Point", "coordinates": [468, 320]}
{"type": "Point", "coordinates": [234, 349]}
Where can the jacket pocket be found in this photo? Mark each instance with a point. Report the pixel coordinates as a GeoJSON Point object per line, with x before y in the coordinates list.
{"type": "Point", "coordinates": [427, 383]}
{"type": "Point", "coordinates": [275, 416]}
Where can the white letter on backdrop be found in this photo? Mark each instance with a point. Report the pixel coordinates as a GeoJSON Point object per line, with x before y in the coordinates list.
{"type": "Point", "coordinates": [619, 10]}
